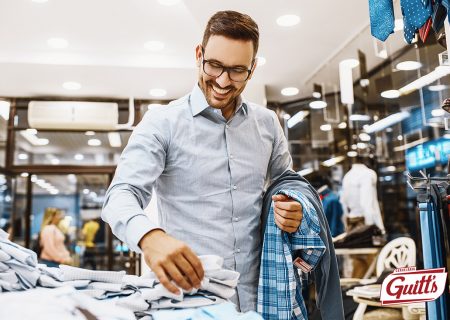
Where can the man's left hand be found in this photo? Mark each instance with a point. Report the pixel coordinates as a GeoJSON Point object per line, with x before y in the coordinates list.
{"type": "Point", "coordinates": [288, 213]}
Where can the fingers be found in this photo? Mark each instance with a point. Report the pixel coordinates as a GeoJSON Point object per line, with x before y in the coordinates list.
{"type": "Point", "coordinates": [291, 215]}
{"type": "Point", "coordinates": [280, 197]}
{"type": "Point", "coordinates": [188, 271]}
{"type": "Point", "coordinates": [176, 275]}
{"type": "Point", "coordinates": [164, 280]}
{"type": "Point", "coordinates": [286, 222]}
{"type": "Point", "coordinates": [289, 206]}
{"type": "Point", "coordinates": [194, 261]}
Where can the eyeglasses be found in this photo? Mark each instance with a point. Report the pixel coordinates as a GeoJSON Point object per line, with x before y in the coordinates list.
{"type": "Point", "coordinates": [215, 69]}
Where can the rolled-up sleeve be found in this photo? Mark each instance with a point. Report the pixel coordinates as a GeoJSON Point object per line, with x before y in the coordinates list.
{"type": "Point", "coordinates": [281, 159]}
{"type": "Point", "coordinates": [141, 163]}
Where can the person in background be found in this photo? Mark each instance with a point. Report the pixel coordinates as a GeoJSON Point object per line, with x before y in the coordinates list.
{"type": "Point", "coordinates": [53, 250]}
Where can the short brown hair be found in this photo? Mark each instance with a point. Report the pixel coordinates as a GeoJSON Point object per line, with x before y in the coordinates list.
{"type": "Point", "coordinates": [234, 25]}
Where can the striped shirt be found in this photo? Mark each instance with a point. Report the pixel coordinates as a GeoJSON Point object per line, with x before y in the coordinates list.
{"type": "Point", "coordinates": [209, 175]}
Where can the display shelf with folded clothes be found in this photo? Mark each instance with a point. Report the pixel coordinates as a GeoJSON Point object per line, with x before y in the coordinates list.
{"type": "Point", "coordinates": [144, 294]}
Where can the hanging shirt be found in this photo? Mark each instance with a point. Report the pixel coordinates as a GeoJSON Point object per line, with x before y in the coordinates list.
{"type": "Point", "coordinates": [52, 242]}
{"type": "Point", "coordinates": [209, 175]}
{"type": "Point", "coordinates": [359, 195]}
{"type": "Point", "coordinates": [333, 211]}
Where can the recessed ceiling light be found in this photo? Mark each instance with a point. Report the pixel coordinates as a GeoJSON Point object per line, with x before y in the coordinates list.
{"type": "Point", "coordinates": [90, 133]}
{"type": "Point", "coordinates": [94, 142]}
{"type": "Point", "coordinates": [290, 91]}
{"type": "Point", "coordinates": [58, 43]}
{"type": "Point", "coordinates": [317, 104]}
{"type": "Point", "coordinates": [361, 145]}
{"type": "Point", "coordinates": [342, 125]}
{"type": "Point", "coordinates": [316, 95]}
{"type": "Point", "coordinates": [71, 85]}
{"type": "Point", "coordinates": [400, 137]}
{"type": "Point", "coordinates": [352, 154]}
{"type": "Point", "coordinates": [288, 20]}
{"type": "Point", "coordinates": [24, 174]}
{"type": "Point", "coordinates": [408, 65]}
{"type": "Point", "coordinates": [364, 137]}
{"type": "Point", "coordinates": [4, 109]}
{"type": "Point", "coordinates": [261, 61]}
{"type": "Point", "coordinates": [79, 157]}
{"type": "Point", "coordinates": [325, 127]}
{"type": "Point", "coordinates": [169, 2]}
{"type": "Point", "coordinates": [154, 45]}
{"type": "Point", "coordinates": [349, 63]}
{"type": "Point", "coordinates": [390, 94]}
{"type": "Point", "coordinates": [398, 23]}
{"type": "Point", "coordinates": [437, 112]}
{"type": "Point", "coordinates": [158, 92]}
{"type": "Point", "coordinates": [55, 161]}
{"type": "Point", "coordinates": [359, 117]}
{"type": "Point", "coordinates": [437, 87]}
{"type": "Point", "coordinates": [71, 177]}
{"type": "Point", "coordinates": [22, 156]}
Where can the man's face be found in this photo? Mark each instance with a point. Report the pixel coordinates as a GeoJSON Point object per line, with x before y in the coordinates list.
{"type": "Point", "coordinates": [221, 91]}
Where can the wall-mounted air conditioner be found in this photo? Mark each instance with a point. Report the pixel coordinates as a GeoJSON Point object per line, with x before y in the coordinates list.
{"type": "Point", "coordinates": [77, 115]}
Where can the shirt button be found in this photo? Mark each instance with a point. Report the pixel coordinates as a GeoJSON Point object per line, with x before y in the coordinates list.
{"type": "Point", "coordinates": [231, 156]}
{"type": "Point", "coordinates": [236, 219]}
{"type": "Point", "coordinates": [234, 187]}
{"type": "Point", "coordinates": [238, 250]}
{"type": "Point", "coordinates": [227, 126]}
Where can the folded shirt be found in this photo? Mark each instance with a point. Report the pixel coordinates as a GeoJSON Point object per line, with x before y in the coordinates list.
{"type": "Point", "coordinates": [74, 273]}
{"type": "Point", "coordinates": [60, 303]}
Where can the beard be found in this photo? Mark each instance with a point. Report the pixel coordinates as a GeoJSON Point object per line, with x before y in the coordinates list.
{"type": "Point", "coordinates": [218, 97]}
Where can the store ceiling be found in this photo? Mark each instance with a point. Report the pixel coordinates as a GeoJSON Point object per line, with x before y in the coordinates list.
{"type": "Point", "coordinates": [106, 52]}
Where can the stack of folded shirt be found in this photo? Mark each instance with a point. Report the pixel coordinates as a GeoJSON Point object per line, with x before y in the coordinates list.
{"type": "Point", "coordinates": [19, 270]}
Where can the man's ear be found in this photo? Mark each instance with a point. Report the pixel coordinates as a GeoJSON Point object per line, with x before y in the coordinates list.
{"type": "Point", "coordinates": [253, 68]}
{"type": "Point", "coordinates": [198, 55]}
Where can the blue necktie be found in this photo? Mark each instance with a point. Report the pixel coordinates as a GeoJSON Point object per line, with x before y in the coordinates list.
{"type": "Point", "coordinates": [415, 14]}
{"type": "Point", "coordinates": [381, 18]}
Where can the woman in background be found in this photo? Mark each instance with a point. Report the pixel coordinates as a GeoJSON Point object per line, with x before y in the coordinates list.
{"type": "Point", "coordinates": [53, 250]}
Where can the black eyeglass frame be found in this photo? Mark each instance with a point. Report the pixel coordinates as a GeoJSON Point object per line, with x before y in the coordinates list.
{"type": "Point", "coordinates": [225, 69]}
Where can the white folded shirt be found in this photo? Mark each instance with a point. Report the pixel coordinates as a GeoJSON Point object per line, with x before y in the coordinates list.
{"type": "Point", "coordinates": [19, 253]}
{"type": "Point", "coordinates": [73, 273]}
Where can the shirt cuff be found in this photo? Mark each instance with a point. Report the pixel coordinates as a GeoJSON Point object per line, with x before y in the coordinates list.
{"type": "Point", "coordinates": [137, 227]}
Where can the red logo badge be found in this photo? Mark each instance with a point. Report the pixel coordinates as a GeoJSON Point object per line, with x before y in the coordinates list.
{"type": "Point", "coordinates": [408, 285]}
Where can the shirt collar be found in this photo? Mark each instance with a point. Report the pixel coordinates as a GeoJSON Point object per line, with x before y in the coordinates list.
{"type": "Point", "coordinates": [198, 102]}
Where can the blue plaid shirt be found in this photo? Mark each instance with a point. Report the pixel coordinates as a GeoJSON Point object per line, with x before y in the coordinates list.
{"type": "Point", "coordinates": [279, 288]}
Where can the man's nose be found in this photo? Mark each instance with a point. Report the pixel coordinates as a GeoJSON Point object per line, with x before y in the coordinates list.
{"type": "Point", "coordinates": [224, 79]}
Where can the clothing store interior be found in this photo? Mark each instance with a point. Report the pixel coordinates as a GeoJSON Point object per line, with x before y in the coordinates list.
{"type": "Point", "coordinates": [358, 90]}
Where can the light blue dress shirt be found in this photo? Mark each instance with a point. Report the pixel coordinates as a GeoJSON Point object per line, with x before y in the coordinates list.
{"type": "Point", "coordinates": [209, 175]}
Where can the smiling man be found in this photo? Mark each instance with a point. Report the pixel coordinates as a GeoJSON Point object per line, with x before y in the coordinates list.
{"type": "Point", "coordinates": [208, 155]}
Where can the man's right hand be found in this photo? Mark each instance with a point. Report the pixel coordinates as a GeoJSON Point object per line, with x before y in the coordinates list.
{"type": "Point", "coordinates": [171, 260]}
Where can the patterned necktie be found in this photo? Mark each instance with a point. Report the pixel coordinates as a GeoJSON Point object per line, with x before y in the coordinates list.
{"type": "Point", "coordinates": [415, 14]}
{"type": "Point", "coordinates": [381, 18]}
